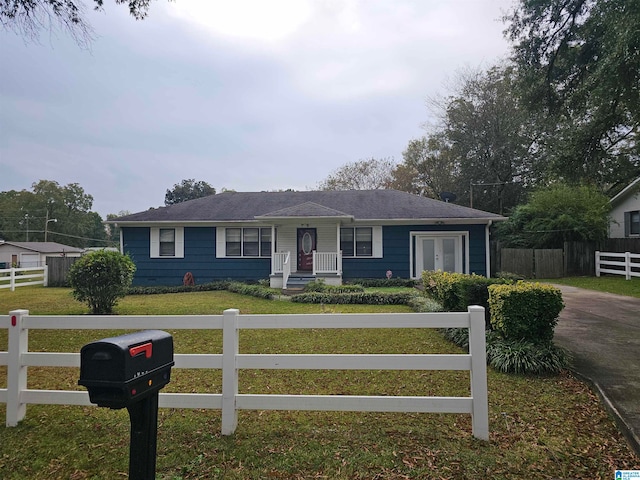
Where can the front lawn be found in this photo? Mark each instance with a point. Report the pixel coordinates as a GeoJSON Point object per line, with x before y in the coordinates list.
{"type": "Point", "coordinates": [540, 428]}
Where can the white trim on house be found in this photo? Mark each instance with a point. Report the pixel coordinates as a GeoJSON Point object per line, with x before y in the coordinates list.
{"type": "Point", "coordinates": [461, 249]}
{"type": "Point", "coordinates": [154, 242]}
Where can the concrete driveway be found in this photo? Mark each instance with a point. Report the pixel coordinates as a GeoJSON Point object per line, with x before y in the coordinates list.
{"type": "Point", "coordinates": [602, 332]}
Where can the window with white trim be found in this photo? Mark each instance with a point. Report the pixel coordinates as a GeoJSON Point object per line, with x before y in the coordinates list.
{"type": "Point", "coordinates": [356, 241]}
{"type": "Point", "coordinates": [633, 219]}
{"type": "Point", "coordinates": [166, 242]}
{"type": "Point", "coordinates": [248, 242]}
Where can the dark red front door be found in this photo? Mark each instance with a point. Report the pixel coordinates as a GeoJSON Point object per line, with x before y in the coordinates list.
{"type": "Point", "coordinates": [306, 246]}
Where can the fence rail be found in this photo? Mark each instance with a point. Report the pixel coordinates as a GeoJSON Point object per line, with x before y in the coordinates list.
{"type": "Point", "coordinates": [627, 264]}
{"type": "Point", "coordinates": [229, 401]}
{"type": "Point", "coordinates": [13, 278]}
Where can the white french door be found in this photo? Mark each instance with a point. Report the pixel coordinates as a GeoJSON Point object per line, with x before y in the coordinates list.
{"type": "Point", "coordinates": [438, 252]}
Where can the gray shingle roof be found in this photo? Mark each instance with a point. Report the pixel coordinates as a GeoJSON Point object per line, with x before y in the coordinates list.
{"type": "Point", "coordinates": [359, 204]}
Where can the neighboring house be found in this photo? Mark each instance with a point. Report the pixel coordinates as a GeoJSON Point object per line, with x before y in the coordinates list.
{"type": "Point", "coordinates": [625, 212]}
{"type": "Point", "coordinates": [33, 254]}
{"type": "Point", "coordinates": [283, 236]}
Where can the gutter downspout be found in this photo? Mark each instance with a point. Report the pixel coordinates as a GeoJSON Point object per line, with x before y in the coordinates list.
{"type": "Point", "coordinates": [488, 249]}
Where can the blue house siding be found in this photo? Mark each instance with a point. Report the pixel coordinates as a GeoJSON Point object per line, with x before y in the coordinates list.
{"type": "Point", "coordinates": [199, 259]}
{"type": "Point", "coordinates": [200, 256]}
{"type": "Point", "coordinates": [396, 254]}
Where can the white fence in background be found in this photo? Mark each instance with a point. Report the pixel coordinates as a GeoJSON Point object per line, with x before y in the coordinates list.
{"type": "Point", "coordinates": [627, 264]}
{"type": "Point", "coordinates": [18, 358]}
{"type": "Point", "coordinates": [21, 277]}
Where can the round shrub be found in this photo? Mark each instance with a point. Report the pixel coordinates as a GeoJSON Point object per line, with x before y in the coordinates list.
{"type": "Point", "coordinates": [100, 278]}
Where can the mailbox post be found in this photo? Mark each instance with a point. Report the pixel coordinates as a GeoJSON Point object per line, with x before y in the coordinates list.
{"type": "Point", "coordinates": [128, 372]}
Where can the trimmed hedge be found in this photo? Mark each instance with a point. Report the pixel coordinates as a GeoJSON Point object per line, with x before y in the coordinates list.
{"type": "Point", "coordinates": [362, 298]}
{"type": "Point", "coordinates": [160, 289]}
{"type": "Point", "coordinates": [525, 311]}
{"type": "Point", "coordinates": [456, 291]}
{"type": "Point", "coordinates": [252, 290]}
{"type": "Point", "coordinates": [384, 282]}
{"type": "Point", "coordinates": [320, 286]}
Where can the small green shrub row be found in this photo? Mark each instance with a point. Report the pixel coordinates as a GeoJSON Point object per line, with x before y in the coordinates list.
{"type": "Point", "coordinates": [525, 311]}
{"type": "Point", "coordinates": [160, 289]}
{"type": "Point", "coordinates": [252, 290]}
{"type": "Point", "coordinates": [363, 298]}
{"type": "Point", "coordinates": [383, 282]}
{"type": "Point", "coordinates": [320, 286]}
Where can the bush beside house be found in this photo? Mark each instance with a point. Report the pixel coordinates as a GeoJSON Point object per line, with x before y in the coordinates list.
{"type": "Point", "coordinates": [522, 319]}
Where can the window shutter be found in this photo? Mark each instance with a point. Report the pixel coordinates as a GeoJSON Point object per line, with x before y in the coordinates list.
{"type": "Point", "coordinates": [221, 245]}
{"type": "Point", "coordinates": [179, 239]}
{"type": "Point", "coordinates": [154, 246]}
{"type": "Point", "coordinates": [377, 241]}
{"type": "Point", "coordinates": [627, 224]}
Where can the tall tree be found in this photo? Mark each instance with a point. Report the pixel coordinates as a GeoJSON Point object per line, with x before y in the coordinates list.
{"type": "Point", "coordinates": [579, 63]}
{"type": "Point", "coordinates": [29, 17]}
{"type": "Point", "coordinates": [369, 174]}
{"type": "Point", "coordinates": [188, 189]}
{"type": "Point", "coordinates": [428, 168]}
{"type": "Point", "coordinates": [62, 213]}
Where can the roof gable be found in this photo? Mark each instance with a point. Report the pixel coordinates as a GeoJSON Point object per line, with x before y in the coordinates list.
{"type": "Point", "coordinates": [305, 210]}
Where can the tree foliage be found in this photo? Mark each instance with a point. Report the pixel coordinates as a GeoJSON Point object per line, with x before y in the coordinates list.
{"type": "Point", "coordinates": [579, 63]}
{"type": "Point", "coordinates": [428, 168]}
{"type": "Point", "coordinates": [29, 17]}
{"type": "Point", "coordinates": [100, 278]}
{"type": "Point", "coordinates": [188, 189]}
{"type": "Point", "coordinates": [555, 215]}
{"type": "Point", "coordinates": [369, 174]}
{"type": "Point", "coordinates": [483, 139]}
{"type": "Point", "coordinates": [63, 212]}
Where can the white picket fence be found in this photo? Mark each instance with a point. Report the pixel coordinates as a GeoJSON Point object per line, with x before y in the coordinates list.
{"type": "Point", "coordinates": [627, 264]}
{"type": "Point", "coordinates": [18, 358]}
{"type": "Point", "coordinates": [21, 277]}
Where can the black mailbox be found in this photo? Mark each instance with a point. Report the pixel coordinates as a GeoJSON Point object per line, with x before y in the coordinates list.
{"type": "Point", "coordinates": [120, 371]}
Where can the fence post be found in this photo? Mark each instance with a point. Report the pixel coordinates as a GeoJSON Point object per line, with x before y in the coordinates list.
{"type": "Point", "coordinates": [16, 372]}
{"type": "Point", "coordinates": [597, 263]}
{"type": "Point", "coordinates": [45, 279]}
{"type": "Point", "coordinates": [12, 279]}
{"type": "Point", "coordinates": [479, 392]}
{"type": "Point", "coordinates": [229, 370]}
{"type": "Point", "coordinates": [627, 265]}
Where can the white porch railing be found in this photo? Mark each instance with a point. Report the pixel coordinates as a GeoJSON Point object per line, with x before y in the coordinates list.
{"type": "Point", "coordinates": [627, 264]}
{"type": "Point", "coordinates": [327, 262]}
{"type": "Point", "coordinates": [15, 277]}
{"type": "Point", "coordinates": [18, 358]}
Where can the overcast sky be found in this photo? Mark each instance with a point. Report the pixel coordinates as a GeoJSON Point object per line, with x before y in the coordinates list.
{"type": "Point", "coordinates": [247, 95]}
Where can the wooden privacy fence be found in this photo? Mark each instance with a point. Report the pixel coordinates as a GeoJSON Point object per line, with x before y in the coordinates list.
{"type": "Point", "coordinates": [533, 263]}
{"type": "Point", "coordinates": [59, 269]}
{"type": "Point", "coordinates": [18, 358]}
{"type": "Point", "coordinates": [21, 277]}
{"type": "Point", "coordinates": [627, 264]}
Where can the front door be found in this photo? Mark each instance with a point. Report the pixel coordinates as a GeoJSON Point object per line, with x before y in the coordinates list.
{"type": "Point", "coordinates": [306, 246]}
{"type": "Point", "coordinates": [438, 253]}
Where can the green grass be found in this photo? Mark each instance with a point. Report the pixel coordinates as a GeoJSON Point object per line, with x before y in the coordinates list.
{"type": "Point", "coordinates": [606, 283]}
{"type": "Point", "coordinates": [541, 428]}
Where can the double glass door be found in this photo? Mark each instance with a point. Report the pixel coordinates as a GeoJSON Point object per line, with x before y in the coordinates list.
{"type": "Point", "coordinates": [438, 253]}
